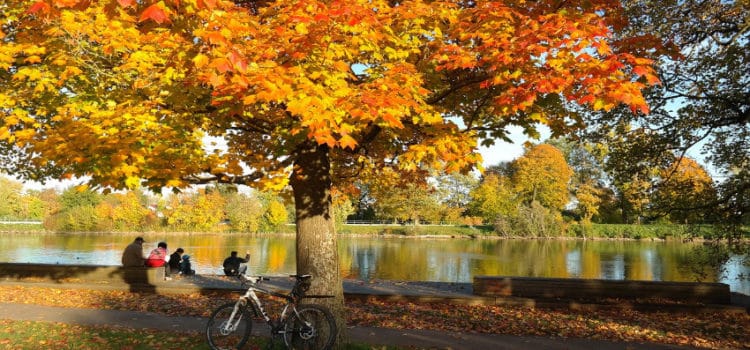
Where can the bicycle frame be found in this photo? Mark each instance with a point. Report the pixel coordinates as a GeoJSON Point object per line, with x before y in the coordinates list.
{"type": "Point", "coordinates": [302, 326]}
{"type": "Point", "coordinates": [258, 309]}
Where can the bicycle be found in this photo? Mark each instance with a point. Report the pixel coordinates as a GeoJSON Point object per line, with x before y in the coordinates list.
{"type": "Point", "coordinates": [302, 326]}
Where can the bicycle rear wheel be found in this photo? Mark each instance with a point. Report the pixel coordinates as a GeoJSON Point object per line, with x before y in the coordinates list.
{"type": "Point", "coordinates": [315, 329]}
{"type": "Point", "coordinates": [223, 333]}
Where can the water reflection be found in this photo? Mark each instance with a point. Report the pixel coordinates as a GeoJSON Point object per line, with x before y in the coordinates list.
{"type": "Point", "coordinates": [452, 260]}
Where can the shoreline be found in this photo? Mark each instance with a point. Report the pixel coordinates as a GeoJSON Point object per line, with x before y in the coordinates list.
{"type": "Point", "coordinates": [382, 235]}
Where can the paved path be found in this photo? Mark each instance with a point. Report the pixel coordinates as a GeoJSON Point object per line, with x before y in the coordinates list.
{"type": "Point", "coordinates": [367, 335]}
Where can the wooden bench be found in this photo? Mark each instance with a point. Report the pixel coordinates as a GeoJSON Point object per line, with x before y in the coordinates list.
{"type": "Point", "coordinates": [587, 289]}
{"type": "Point", "coordinates": [60, 273]}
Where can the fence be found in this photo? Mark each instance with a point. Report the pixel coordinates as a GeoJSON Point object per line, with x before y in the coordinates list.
{"type": "Point", "coordinates": [20, 222]}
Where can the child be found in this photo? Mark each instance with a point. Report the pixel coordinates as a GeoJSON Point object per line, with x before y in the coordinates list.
{"type": "Point", "coordinates": [185, 267]}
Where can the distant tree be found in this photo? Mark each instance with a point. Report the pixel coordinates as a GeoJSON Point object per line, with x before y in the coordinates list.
{"type": "Point", "coordinates": [10, 197]}
{"type": "Point", "coordinates": [275, 216]}
{"type": "Point", "coordinates": [51, 202]}
{"type": "Point", "coordinates": [588, 199]}
{"type": "Point", "coordinates": [31, 206]}
{"type": "Point", "coordinates": [453, 190]}
{"type": "Point", "coordinates": [633, 162]}
{"type": "Point", "coordinates": [586, 159]}
{"type": "Point", "coordinates": [610, 209]}
{"type": "Point", "coordinates": [199, 211]}
{"type": "Point", "coordinates": [411, 202]}
{"type": "Point", "coordinates": [342, 205]}
{"type": "Point", "coordinates": [244, 212]}
{"type": "Point", "coordinates": [79, 196]}
{"type": "Point", "coordinates": [77, 211]}
{"type": "Point", "coordinates": [542, 175]}
{"type": "Point", "coordinates": [682, 191]}
{"type": "Point", "coordinates": [493, 197]}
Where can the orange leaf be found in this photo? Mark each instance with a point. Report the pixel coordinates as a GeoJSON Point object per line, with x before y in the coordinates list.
{"type": "Point", "coordinates": [392, 120]}
{"type": "Point", "coordinates": [154, 13]}
{"type": "Point", "coordinates": [206, 4]}
{"type": "Point", "coordinates": [238, 61]}
{"type": "Point", "coordinates": [126, 3]}
{"type": "Point", "coordinates": [222, 65]}
{"type": "Point", "coordinates": [640, 70]}
{"type": "Point", "coordinates": [38, 6]}
{"type": "Point", "coordinates": [341, 66]}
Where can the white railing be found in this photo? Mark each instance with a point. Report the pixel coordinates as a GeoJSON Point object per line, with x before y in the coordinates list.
{"type": "Point", "coordinates": [20, 222]}
{"type": "Point", "coordinates": [396, 223]}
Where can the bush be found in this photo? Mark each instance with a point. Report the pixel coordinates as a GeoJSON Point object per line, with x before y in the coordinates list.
{"type": "Point", "coordinates": [658, 231]}
{"type": "Point", "coordinates": [532, 221]}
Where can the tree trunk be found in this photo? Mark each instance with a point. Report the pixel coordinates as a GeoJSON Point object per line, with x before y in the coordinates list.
{"type": "Point", "coordinates": [317, 248]}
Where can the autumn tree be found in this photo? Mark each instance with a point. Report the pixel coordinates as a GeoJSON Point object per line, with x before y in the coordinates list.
{"type": "Point", "coordinates": [411, 202]}
{"type": "Point", "coordinates": [588, 198]}
{"type": "Point", "coordinates": [454, 189]}
{"type": "Point", "coordinates": [125, 212]}
{"type": "Point", "coordinates": [703, 104]}
{"type": "Point", "coordinates": [589, 182]}
{"type": "Point", "coordinates": [199, 211]}
{"type": "Point", "coordinates": [542, 175]}
{"type": "Point", "coordinates": [341, 204]}
{"type": "Point", "coordinates": [10, 194]}
{"type": "Point", "coordinates": [632, 170]}
{"type": "Point", "coordinates": [244, 212]}
{"type": "Point", "coordinates": [306, 93]}
{"type": "Point", "coordinates": [494, 197]}
{"type": "Point", "coordinates": [15, 203]}
{"type": "Point", "coordinates": [274, 216]}
{"type": "Point", "coordinates": [77, 211]}
{"type": "Point", "coordinates": [683, 189]}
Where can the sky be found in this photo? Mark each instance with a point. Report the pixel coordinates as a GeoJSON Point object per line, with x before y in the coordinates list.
{"type": "Point", "coordinates": [503, 151]}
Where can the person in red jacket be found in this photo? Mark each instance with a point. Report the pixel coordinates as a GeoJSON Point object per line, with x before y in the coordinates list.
{"type": "Point", "coordinates": [158, 256]}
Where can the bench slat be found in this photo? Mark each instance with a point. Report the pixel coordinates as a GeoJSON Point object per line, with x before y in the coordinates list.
{"type": "Point", "coordinates": [574, 288]}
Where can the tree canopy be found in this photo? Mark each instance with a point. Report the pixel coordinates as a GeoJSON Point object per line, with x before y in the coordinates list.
{"type": "Point", "coordinates": [702, 105]}
{"type": "Point", "coordinates": [313, 93]}
{"type": "Point", "coordinates": [138, 84]}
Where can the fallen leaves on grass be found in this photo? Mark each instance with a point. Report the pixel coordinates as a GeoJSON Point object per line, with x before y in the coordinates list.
{"type": "Point", "coordinates": [705, 330]}
{"type": "Point", "coordinates": [54, 335]}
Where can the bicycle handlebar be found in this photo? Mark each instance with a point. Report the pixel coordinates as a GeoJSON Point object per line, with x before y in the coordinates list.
{"type": "Point", "coordinates": [254, 279]}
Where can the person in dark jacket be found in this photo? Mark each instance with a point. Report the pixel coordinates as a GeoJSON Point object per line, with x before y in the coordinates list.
{"type": "Point", "coordinates": [174, 261]}
{"type": "Point", "coordinates": [133, 254]}
{"type": "Point", "coordinates": [234, 265]}
{"type": "Point", "coordinates": [185, 266]}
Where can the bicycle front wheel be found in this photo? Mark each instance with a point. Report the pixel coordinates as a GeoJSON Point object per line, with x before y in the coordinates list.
{"type": "Point", "coordinates": [314, 329]}
{"type": "Point", "coordinates": [225, 331]}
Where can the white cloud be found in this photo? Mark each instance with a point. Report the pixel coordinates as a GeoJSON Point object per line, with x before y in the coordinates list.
{"type": "Point", "coordinates": [503, 151]}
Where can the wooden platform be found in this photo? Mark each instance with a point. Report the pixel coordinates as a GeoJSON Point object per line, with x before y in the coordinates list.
{"type": "Point", "coordinates": [593, 289]}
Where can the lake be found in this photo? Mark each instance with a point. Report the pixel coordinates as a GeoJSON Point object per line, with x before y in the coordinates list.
{"type": "Point", "coordinates": [411, 259]}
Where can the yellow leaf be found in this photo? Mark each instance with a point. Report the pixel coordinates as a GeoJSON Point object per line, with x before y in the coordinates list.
{"type": "Point", "coordinates": [200, 60]}
{"type": "Point", "coordinates": [301, 28]}
{"type": "Point", "coordinates": [33, 59]}
{"type": "Point", "coordinates": [347, 141]}
{"type": "Point", "coordinates": [132, 182]}
{"type": "Point", "coordinates": [599, 104]}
